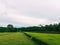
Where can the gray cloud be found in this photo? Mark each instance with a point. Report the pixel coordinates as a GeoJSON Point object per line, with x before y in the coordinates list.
{"type": "Point", "coordinates": [29, 12]}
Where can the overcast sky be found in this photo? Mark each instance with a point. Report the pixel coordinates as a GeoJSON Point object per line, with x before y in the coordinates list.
{"type": "Point", "coordinates": [29, 12]}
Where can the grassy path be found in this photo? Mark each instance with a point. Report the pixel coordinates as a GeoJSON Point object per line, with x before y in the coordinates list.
{"type": "Point", "coordinates": [14, 39]}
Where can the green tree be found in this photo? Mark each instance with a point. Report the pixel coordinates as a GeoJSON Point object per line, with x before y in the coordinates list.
{"type": "Point", "coordinates": [10, 28]}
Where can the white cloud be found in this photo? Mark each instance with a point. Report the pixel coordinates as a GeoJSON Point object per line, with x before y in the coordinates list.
{"type": "Point", "coordinates": [29, 12]}
{"type": "Point", "coordinates": [14, 18]}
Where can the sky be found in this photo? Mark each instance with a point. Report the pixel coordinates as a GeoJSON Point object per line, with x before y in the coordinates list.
{"type": "Point", "coordinates": [29, 12]}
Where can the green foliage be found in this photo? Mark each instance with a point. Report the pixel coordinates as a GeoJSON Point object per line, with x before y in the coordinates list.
{"type": "Point", "coordinates": [55, 28]}
{"type": "Point", "coordinates": [52, 28]}
{"type": "Point", "coordinates": [10, 28]}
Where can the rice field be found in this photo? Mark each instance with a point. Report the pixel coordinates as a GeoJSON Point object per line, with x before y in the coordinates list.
{"type": "Point", "coordinates": [19, 38]}
{"type": "Point", "coordinates": [16, 38]}
{"type": "Point", "coordinates": [50, 39]}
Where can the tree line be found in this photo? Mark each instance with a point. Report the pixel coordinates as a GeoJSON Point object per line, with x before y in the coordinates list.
{"type": "Point", "coordinates": [41, 28]}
